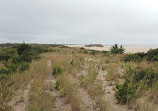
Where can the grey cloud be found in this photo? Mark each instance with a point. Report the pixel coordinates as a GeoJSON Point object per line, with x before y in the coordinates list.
{"type": "Point", "coordinates": [77, 21]}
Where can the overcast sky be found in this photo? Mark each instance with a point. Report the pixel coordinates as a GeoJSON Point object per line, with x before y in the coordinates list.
{"type": "Point", "coordinates": [79, 21]}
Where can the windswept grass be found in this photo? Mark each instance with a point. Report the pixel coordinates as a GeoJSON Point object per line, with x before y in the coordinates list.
{"type": "Point", "coordinates": [65, 84]}
{"type": "Point", "coordinates": [39, 99]}
{"type": "Point", "coordinates": [10, 85]}
{"type": "Point", "coordinates": [70, 89]}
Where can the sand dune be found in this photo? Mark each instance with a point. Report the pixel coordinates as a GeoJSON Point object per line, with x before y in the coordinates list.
{"type": "Point", "coordinates": [128, 49]}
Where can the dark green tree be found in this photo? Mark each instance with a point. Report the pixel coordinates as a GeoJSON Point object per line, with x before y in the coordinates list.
{"type": "Point", "coordinates": [115, 49]}
{"type": "Point", "coordinates": [22, 48]}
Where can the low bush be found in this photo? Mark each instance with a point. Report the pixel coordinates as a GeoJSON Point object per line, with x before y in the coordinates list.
{"type": "Point", "coordinates": [5, 54]}
{"type": "Point", "coordinates": [12, 67]}
{"type": "Point", "coordinates": [56, 70]}
{"type": "Point", "coordinates": [152, 55]}
{"type": "Point", "coordinates": [142, 74]}
{"type": "Point", "coordinates": [132, 57]}
{"type": "Point", "coordinates": [57, 85]}
{"type": "Point", "coordinates": [141, 54]}
{"type": "Point", "coordinates": [82, 48]}
{"type": "Point", "coordinates": [117, 50]}
{"type": "Point", "coordinates": [125, 92]}
{"type": "Point", "coordinates": [147, 75]}
{"type": "Point", "coordinates": [22, 47]}
{"type": "Point", "coordinates": [40, 48]}
{"type": "Point", "coordinates": [4, 70]}
{"type": "Point", "coordinates": [137, 57]}
{"type": "Point", "coordinates": [105, 52]}
{"type": "Point", "coordinates": [24, 66]}
{"type": "Point", "coordinates": [29, 55]}
{"type": "Point", "coordinates": [93, 52]}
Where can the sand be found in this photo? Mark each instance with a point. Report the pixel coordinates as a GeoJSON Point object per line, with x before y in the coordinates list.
{"type": "Point", "coordinates": [128, 49]}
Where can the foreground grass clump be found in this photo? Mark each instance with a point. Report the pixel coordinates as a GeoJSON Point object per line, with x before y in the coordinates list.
{"type": "Point", "coordinates": [71, 91]}
{"type": "Point", "coordinates": [39, 100]}
{"type": "Point", "coordinates": [17, 81]}
{"type": "Point", "coordinates": [95, 90]}
{"type": "Point", "coordinates": [64, 82]}
{"type": "Point", "coordinates": [112, 72]}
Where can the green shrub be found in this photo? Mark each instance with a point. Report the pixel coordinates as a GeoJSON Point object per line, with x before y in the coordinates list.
{"type": "Point", "coordinates": [4, 70]}
{"type": "Point", "coordinates": [125, 92]}
{"type": "Point", "coordinates": [145, 75]}
{"type": "Point", "coordinates": [40, 48]}
{"type": "Point", "coordinates": [85, 52]}
{"type": "Point", "coordinates": [2, 76]}
{"type": "Point", "coordinates": [72, 62]}
{"type": "Point", "coordinates": [28, 56]}
{"type": "Point", "coordinates": [117, 50]}
{"type": "Point", "coordinates": [82, 48]}
{"type": "Point", "coordinates": [57, 85]}
{"type": "Point", "coordinates": [152, 55]}
{"type": "Point", "coordinates": [5, 54]}
{"type": "Point", "coordinates": [132, 57]}
{"type": "Point", "coordinates": [105, 52]}
{"type": "Point", "coordinates": [16, 59]}
{"type": "Point", "coordinates": [141, 54]}
{"type": "Point", "coordinates": [24, 66]}
{"type": "Point", "coordinates": [56, 70]}
{"type": "Point", "coordinates": [93, 52]}
{"type": "Point", "coordinates": [12, 67]}
{"type": "Point", "coordinates": [22, 47]}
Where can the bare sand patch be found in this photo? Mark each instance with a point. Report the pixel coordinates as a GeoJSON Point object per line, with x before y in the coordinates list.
{"type": "Point", "coordinates": [128, 49]}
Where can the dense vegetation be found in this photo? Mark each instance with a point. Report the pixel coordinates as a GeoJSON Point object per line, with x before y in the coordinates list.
{"type": "Point", "coordinates": [141, 77]}
{"type": "Point", "coordinates": [17, 57]}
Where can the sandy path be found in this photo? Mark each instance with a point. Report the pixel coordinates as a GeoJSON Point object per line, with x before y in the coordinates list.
{"type": "Point", "coordinates": [108, 87]}
{"type": "Point", "coordinates": [20, 101]}
{"type": "Point", "coordinates": [88, 104]}
{"type": "Point", "coordinates": [61, 103]}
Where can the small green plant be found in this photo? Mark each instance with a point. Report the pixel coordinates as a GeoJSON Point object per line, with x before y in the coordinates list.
{"type": "Point", "coordinates": [82, 48]}
{"type": "Point", "coordinates": [72, 62]}
{"type": "Point", "coordinates": [125, 92]}
{"type": "Point", "coordinates": [93, 52]}
{"type": "Point", "coordinates": [56, 70]}
{"type": "Point", "coordinates": [117, 50]}
{"type": "Point", "coordinates": [105, 52]}
{"type": "Point", "coordinates": [57, 85]}
{"type": "Point", "coordinates": [4, 70]}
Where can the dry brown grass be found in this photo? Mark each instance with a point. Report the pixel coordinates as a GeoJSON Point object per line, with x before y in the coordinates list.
{"type": "Point", "coordinates": [112, 72]}
{"type": "Point", "coordinates": [19, 81]}
{"type": "Point", "coordinates": [70, 89]}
